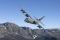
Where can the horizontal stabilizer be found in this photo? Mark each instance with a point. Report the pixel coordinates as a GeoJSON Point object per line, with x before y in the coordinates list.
{"type": "Point", "coordinates": [41, 18]}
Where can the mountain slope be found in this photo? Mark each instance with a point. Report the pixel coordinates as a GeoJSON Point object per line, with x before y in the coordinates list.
{"type": "Point", "coordinates": [11, 31]}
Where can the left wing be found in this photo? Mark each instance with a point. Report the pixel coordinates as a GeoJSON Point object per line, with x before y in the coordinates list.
{"type": "Point", "coordinates": [25, 13]}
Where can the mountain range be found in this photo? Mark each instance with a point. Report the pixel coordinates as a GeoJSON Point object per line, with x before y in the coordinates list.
{"type": "Point", "coordinates": [11, 31]}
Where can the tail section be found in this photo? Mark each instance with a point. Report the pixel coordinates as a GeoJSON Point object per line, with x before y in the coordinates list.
{"type": "Point", "coordinates": [41, 18]}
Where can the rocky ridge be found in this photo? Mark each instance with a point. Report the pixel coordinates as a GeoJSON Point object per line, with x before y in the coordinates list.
{"type": "Point", "coordinates": [11, 31]}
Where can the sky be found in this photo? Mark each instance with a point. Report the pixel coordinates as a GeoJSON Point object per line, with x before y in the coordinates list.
{"type": "Point", "coordinates": [10, 12]}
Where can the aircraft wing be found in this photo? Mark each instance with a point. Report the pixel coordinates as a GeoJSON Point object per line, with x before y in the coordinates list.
{"type": "Point", "coordinates": [25, 13]}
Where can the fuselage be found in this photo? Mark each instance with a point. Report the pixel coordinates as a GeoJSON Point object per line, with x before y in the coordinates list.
{"type": "Point", "coordinates": [31, 21]}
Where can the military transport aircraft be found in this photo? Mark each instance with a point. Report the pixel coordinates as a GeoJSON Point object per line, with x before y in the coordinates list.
{"type": "Point", "coordinates": [31, 20]}
{"type": "Point", "coordinates": [35, 21]}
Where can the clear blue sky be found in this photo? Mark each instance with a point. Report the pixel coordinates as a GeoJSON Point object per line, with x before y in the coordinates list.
{"type": "Point", "coordinates": [10, 11]}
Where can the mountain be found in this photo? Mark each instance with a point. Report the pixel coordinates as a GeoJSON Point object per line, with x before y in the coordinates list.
{"type": "Point", "coordinates": [11, 31]}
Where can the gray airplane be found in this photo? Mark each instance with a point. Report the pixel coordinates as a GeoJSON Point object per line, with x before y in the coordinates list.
{"type": "Point", "coordinates": [31, 20]}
